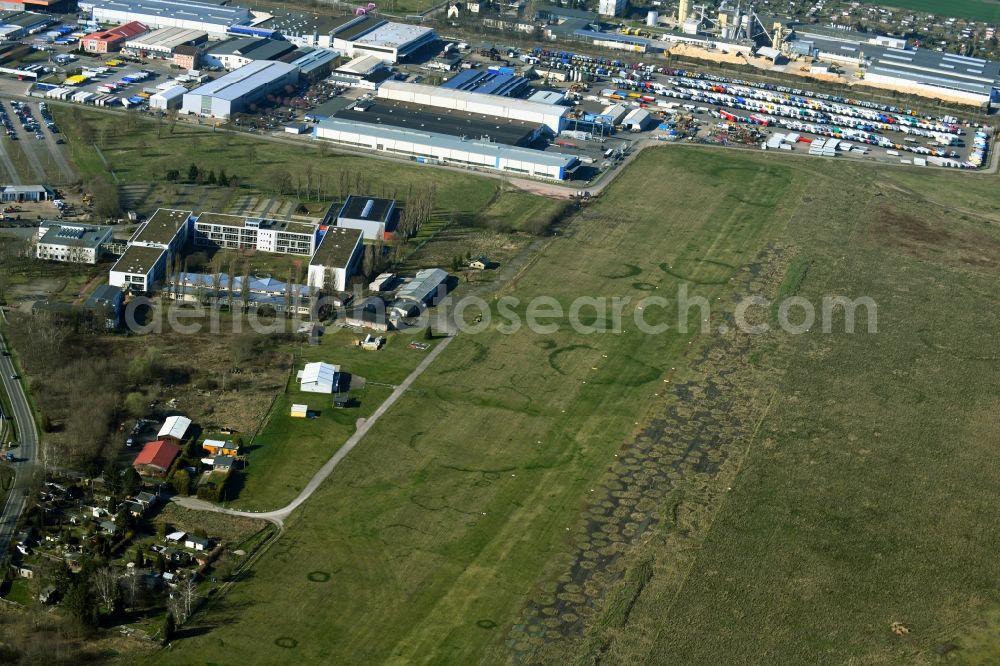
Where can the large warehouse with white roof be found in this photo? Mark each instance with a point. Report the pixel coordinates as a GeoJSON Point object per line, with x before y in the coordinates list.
{"type": "Point", "coordinates": [237, 90]}
{"type": "Point", "coordinates": [391, 42]}
{"type": "Point", "coordinates": [551, 115]}
{"type": "Point", "coordinates": [432, 148]}
{"type": "Point", "coordinates": [212, 18]}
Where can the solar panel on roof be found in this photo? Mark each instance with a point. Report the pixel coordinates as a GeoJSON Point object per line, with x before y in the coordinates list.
{"type": "Point", "coordinates": [71, 232]}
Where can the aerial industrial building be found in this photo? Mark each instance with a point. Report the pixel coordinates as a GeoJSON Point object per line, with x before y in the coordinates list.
{"type": "Point", "coordinates": [169, 98]}
{"type": "Point", "coordinates": [366, 72]}
{"type": "Point", "coordinates": [443, 121]}
{"type": "Point", "coordinates": [20, 24]}
{"type": "Point", "coordinates": [161, 43]}
{"type": "Point", "coordinates": [355, 36]}
{"type": "Point", "coordinates": [886, 60]}
{"type": "Point", "coordinates": [313, 64]}
{"type": "Point", "coordinates": [488, 82]}
{"type": "Point", "coordinates": [112, 39]}
{"type": "Point", "coordinates": [427, 287]}
{"type": "Point", "coordinates": [434, 148]}
{"type": "Point", "coordinates": [213, 18]}
{"type": "Point", "coordinates": [391, 42]}
{"type": "Point", "coordinates": [236, 52]}
{"type": "Point", "coordinates": [552, 116]}
{"type": "Point", "coordinates": [236, 91]}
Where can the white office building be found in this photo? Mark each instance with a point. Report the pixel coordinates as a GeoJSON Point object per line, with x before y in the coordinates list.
{"type": "Point", "coordinates": [144, 262]}
{"type": "Point", "coordinates": [71, 243]}
{"type": "Point", "coordinates": [251, 233]}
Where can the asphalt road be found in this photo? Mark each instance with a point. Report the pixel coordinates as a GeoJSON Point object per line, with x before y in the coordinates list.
{"type": "Point", "coordinates": [26, 453]}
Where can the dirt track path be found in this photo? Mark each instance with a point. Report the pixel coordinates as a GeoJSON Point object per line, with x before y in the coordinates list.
{"type": "Point", "coordinates": [278, 516]}
{"type": "Point", "coordinates": [8, 164]}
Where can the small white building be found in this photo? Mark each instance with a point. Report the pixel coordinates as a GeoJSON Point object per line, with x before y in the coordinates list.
{"type": "Point", "coordinates": [175, 427]}
{"type": "Point", "coordinates": [637, 120]}
{"type": "Point", "coordinates": [171, 98]}
{"type": "Point", "coordinates": [319, 377]}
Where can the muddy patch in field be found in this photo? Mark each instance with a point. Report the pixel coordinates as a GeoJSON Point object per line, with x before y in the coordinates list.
{"type": "Point", "coordinates": [689, 435]}
{"type": "Point", "coordinates": [946, 240]}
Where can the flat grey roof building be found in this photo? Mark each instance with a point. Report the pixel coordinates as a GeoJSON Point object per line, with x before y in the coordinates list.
{"type": "Point", "coordinates": [947, 71]}
{"type": "Point", "coordinates": [165, 40]}
{"type": "Point", "coordinates": [138, 259]}
{"type": "Point", "coordinates": [253, 48]}
{"type": "Point", "coordinates": [162, 227]}
{"type": "Point", "coordinates": [176, 12]}
{"type": "Point", "coordinates": [337, 247]}
{"type": "Point", "coordinates": [75, 235]}
{"type": "Point", "coordinates": [292, 24]}
{"type": "Point", "coordinates": [423, 287]}
{"type": "Point", "coordinates": [418, 140]}
{"type": "Point", "coordinates": [245, 80]}
{"type": "Point", "coordinates": [444, 121]}
{"type": "Point", "coordinates": [366, 208]}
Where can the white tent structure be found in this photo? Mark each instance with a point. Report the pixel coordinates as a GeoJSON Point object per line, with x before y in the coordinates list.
{"type": "Point", "coordinates": [174, 427]}
{"type": "Point", "coordinates": [319, 377]}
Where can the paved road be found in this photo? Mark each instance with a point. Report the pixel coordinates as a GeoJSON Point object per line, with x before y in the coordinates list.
{"type": "Point", "coordinates": [26, 453]}
{"type": "Point", "coordinates": [278, 516]}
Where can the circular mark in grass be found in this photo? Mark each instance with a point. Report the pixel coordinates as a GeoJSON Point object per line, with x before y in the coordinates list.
{"type": "Point", "coordinates": [631, 270]}
{"type": "Point", "coordinates": [286, 642]}
{"type": "Point", "coordinates": [492, 476]}
{"type": "Point", "coordinates": [643, 286]}
{"type": "Point", "coordinates": [486, 624]}
{"type": "Point", "coordinates": [682, 269]}
{"type": "Point", "coordinates": [318, 576]}
{"type": "Point", "coordinates": [482, 483]}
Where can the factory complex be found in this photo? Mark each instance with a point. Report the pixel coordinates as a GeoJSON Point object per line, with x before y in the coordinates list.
{"type": "Point", "coordinates": [358, 80]}
{"type": "Point", "coordinates": [352, 35]}
{"type": "Point", "coordinates": [435, 148]}
{"type": "Point", "coordinates": [741, 35]}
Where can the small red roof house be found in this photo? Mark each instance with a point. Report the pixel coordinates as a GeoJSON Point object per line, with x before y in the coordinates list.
{"type": "Point", "coordinates": [155, 458]}
{"type": "Point", "coordinates": [108, 41]}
